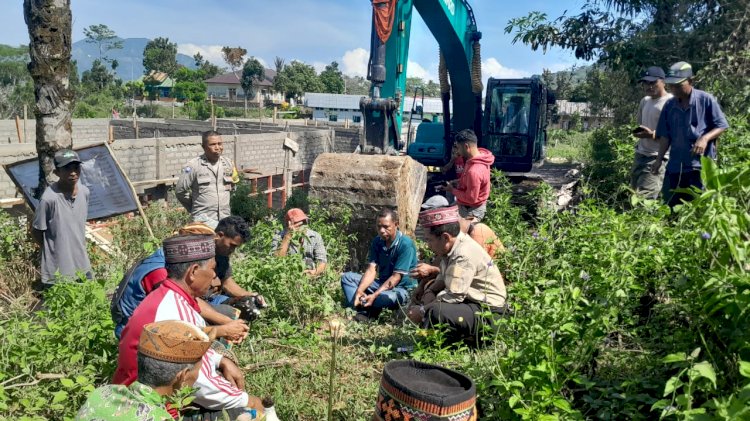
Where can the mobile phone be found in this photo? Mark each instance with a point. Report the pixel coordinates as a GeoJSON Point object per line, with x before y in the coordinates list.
{"type": "Point", "coordinates": [638, 129]}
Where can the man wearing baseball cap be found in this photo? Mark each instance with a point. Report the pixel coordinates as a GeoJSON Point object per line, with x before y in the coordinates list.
{"type": "Point", "coordinates": [689, 125]}
{"type": "Point", "coordinates": [169, 358]}
{"type": "Point", "coordinates": [647, 149]}
{"type": "Point", "coordinates": [59, 225]}
{"type": "Point", "coordinates": [309, 244]}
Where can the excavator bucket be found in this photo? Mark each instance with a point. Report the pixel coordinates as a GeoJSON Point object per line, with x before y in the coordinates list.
{"type": "Point", "coordinates": [369, 183]}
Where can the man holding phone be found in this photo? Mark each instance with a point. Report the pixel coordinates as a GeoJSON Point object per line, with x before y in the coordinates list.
{"type": "Point", "coordinates": [642, 178]}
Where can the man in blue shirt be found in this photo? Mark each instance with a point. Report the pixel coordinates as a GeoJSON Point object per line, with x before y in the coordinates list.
{"type": "Point", "coordinates": [386, 282]}
{"type": "Point", "coordinates": [689, 124]}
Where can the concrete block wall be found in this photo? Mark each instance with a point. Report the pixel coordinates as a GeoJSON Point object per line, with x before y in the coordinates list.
{"type": "Point", "coordinates": [85, 130]}
{"type": "Point", "coordinates": [162, 158]}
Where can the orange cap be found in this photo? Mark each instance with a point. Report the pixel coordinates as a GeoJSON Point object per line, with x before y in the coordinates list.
{"type": "Point", "coordinates": [173, 341]}
{"type": "Point", "coordinates": [295, 215]}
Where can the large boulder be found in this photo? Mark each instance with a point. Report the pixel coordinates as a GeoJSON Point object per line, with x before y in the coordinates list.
{"type": "Point", "coordinates": [368, 183]}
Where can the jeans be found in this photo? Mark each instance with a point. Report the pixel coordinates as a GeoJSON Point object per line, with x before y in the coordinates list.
{"type": "Point", "coordinates": [217, 299]}
{"type": "Point", "coordinates": [476, 212]}
{"type": "Point", "coordinates": [391, 299]}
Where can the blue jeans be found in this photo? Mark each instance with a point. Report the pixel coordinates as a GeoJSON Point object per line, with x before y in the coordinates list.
{"type": "Point", "coordinates": [217, 299]}
{"type": "Point", "coordinates": [682, 180]}
{"type": "Point", "coordinates": [391, 299]}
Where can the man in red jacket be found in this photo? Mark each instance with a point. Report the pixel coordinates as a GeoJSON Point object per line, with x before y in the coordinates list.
{"type": "Point", "coordinates": [473, 187]}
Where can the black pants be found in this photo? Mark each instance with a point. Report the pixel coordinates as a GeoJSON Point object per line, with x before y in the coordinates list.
{"type": "Point", "coordinates": [465, 320]}
{"type": "Point", "coordinates": [683, 180]}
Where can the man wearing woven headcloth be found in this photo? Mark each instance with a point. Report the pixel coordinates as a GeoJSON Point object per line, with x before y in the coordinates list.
{"type": "Point", "coordinates": [190, 265]}
{"type": "Point", "coordinates": [473, 283]}
{"type": "Point", "coordinates": [149, 273]}
{"type": "Point", "coordinates": [169, 358]}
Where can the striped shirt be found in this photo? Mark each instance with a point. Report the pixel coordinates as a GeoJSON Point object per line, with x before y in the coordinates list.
{"type": "Point", "coordinates": [171, 302]}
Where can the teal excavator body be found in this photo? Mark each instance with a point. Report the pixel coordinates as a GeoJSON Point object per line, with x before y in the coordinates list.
{"type": "Point", "coordinates": [513, 125]}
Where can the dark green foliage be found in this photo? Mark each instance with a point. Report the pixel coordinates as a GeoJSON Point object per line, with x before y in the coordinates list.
{"type": "Point", "coordinates": [252, 72]}
{"type": "Point", "coordinates": [160, 55]}
{"type": "Point", "coordinates": [332, 79]}
{"type": "Point", "coordinates": [297, 78]}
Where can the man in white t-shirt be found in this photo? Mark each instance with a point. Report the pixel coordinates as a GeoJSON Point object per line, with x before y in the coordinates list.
{"type": "Point", "coordinates": [647, 150]}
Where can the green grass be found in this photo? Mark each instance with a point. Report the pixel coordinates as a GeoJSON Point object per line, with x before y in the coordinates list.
{"type": "Point", "coordinates": [569, 145]}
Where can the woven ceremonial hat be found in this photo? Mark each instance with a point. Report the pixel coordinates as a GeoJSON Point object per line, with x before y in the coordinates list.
{"type": "Point", "coordinates": [196, 228]}
{"type": "Point", "coordinates": [415, 390]}
{"type": "Point", "coordinates": [173, 341]}
{"type": "Point", "coordinates": [438, 216]}
{"type": "Point", "coordinates": [189, 248]}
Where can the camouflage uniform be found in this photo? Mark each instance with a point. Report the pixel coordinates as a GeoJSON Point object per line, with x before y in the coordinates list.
{"type": "Point", "coordinates": [126, 403]}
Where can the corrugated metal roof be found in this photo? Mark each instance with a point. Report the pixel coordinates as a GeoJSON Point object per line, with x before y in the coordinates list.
{"type": "Point", "coordinates": [351, 102]}
{"type": "Point", "coordinates": [430, 105]}
{"type": "Point", "coordinates": [333, 101]}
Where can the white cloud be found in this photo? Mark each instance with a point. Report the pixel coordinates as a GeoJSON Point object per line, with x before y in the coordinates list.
{"type": "Point", "coordinates": [415, 69]}
{"type": "Point", "coordinates": [319, 66]}
{"type": "Point", "coordinates": [211, 53]}
{"type": "Point", "coordinates": [354, 62]}
{"type": "Point", "coordinates": [492, 68]}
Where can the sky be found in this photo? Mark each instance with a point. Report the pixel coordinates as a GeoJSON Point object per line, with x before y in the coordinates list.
{"type": "Point", "coordinates": [315, 32]}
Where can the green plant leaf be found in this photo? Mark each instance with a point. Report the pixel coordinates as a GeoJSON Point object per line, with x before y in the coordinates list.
{"type": "Point", "coordinates": [675, 358]}
{"type": "Point", "coordinates": [745, 368]}
{"type": "Point", "coordinates": [68, 383]}
{"type": "Point", "coordinates": [705, 370]}
{"type": "Point", "coordinates": [672, 384]}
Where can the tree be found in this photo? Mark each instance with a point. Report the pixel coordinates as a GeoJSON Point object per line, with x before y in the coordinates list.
{"type": "Point", "coordinates": [16, 87]}
{"type": "Point", "coordinates": [297, 78]}
{"type": "Point", "coordinates": [357, 85]}
{"type": "Point", "coordinates": [207, 68]}
{"type": "Point", "coordinates": [233, 56]}
{"type": "Point", "coordinates": [278, 64]}
{"type": "Point", "coordinates": [98, 78]}
{"type": "Point", "coordinates": [252, 72]}
{"type": "Point", "coordinates": [49, 24]}
{"type": "Point", "coordinates": [630, 35]}
{"type": "Point", "coordinates": [332, 79]}
{"type": "Point", "coordinates": [160, 55]}
{"type": "Point", "coordinates": [104, 38]}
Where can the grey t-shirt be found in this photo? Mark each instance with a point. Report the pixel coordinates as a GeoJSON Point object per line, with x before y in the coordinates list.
{"type": "Point", "coordinates": [649, 111]}
{"type": "Point", "coordinates": [312, 249]}
{"type": "Point", "coordinates": [64, 225]}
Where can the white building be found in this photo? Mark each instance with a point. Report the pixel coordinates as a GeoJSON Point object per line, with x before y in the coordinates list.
{"type": "Point", "coordinates": [341, 108]}
{"type": "Point", "coordinates": [227, 86]}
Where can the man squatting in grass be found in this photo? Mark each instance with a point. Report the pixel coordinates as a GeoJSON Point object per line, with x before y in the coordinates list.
{"type": "Point", "coordinates": [169, 358]}
{"type": "Point", "coordinates": [149, 273]}
{"type": "Point", "coordinates": [472, 282]}
{"type": "Point", "coordinates": [386, 282]}
{"type": "Point", "coordinates": [310, 245]}
{"type": "Point", "coordinates": [190, 265]}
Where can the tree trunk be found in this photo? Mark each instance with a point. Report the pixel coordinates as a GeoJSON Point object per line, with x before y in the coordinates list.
{"type": "Point", "coordinates": [49, 23]}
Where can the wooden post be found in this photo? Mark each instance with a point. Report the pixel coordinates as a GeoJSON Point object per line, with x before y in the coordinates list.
{"type": "Point", "coordinates": [18, 129]}
{"type": "Point", "coordinates": [25, 117]}
{"type": "Point", "coordinates": [270, 193]}
{"type": "Point", "coordinates": [110, 133]}
{"type": "Point", "coordinates": [213, 115]}
{"type": "Point", "coordinates": [275, 110]}
{"type": "Point", "coordinates": [173, 105]}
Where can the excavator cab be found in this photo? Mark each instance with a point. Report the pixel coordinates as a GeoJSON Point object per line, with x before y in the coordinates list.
{"type": "Point", "coordinates": [515, 122]}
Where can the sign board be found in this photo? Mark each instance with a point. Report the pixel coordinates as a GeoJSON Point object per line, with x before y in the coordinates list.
{"type": "Point", "coordinates": [111, 192]}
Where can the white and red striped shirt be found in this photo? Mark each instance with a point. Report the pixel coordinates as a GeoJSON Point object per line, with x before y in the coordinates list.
{"type": "Point", "coordinates": [171, 302]}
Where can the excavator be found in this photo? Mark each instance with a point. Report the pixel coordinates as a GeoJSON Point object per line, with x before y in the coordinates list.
{"type": "Point", "coordinates": [512, 126]}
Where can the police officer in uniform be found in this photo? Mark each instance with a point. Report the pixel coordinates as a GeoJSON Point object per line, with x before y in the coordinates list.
{"type": "Point", "coordinates": [206, 182]}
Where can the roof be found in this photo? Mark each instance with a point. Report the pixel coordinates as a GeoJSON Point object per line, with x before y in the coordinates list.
{"type": "Point", "coordinates": [233, 78]}
{"type": "Point", "coordinates": [351, 102]}
{"type": "Point", "coordinates": [158, 79]}
{"type": "Point", "coordinates": [335, 101]}
{"type": "Point", "coordinates": [583, 109]}
{"type": "Point", "coordinates": [429, 106]}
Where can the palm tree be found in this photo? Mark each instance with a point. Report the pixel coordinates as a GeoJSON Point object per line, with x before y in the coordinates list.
{"type": "Point", "coordinates": [49, 23]}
